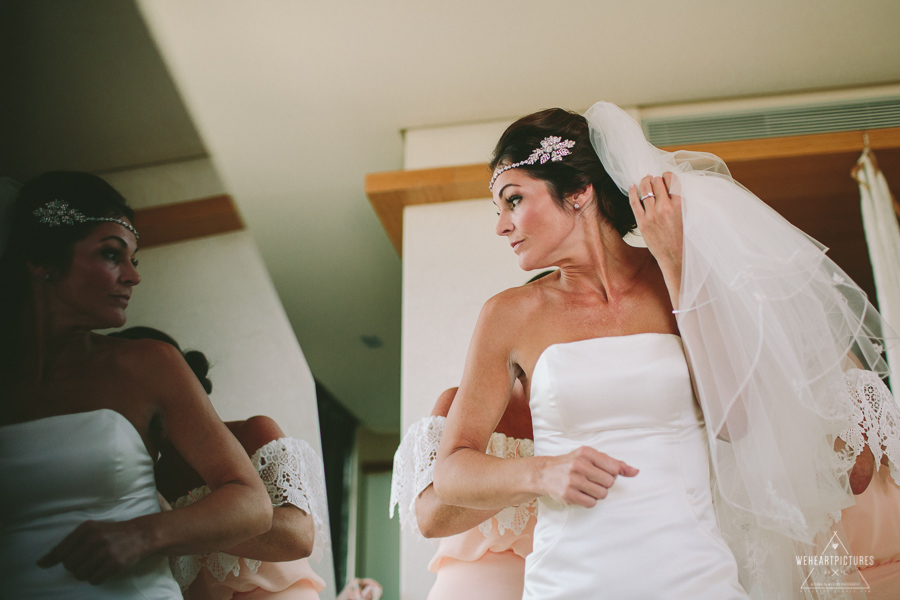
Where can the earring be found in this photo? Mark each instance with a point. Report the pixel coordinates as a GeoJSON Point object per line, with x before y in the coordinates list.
{"type": "Point", "coordinates": [575, 206]}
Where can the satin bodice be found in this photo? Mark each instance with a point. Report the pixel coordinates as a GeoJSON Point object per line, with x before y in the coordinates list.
{"type": "Point", "coordinates": [631, 398]}
{"type": "Point", "coordinates": [59, 472]}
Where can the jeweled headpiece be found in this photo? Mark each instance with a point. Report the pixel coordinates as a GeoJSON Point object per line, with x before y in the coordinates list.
{"type": "Point", "coordinates": [552, 149]}
{"type": "Point", "coordinates": [57, 212]}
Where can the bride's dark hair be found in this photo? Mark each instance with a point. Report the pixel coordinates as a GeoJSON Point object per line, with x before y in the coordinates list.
{"type": "Point", "coordinates": [573, 172]}
{"type": "Point", "coordinates": [40, 244]}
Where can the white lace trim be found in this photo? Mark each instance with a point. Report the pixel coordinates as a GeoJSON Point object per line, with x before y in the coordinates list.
{"type": "Point", "coordinates": [414, 471]}
{"type": "Point", "coordinates": [293, 474]}
{"type": "Point", "coordinates": [877, 418]}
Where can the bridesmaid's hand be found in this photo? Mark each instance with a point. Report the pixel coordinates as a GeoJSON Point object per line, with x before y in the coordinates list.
{"type": "Point", "coordinates": [659, 219]}
{"type": "Point", "coordinates": [97, 550]}
{"type": "Point", "coordinates": [361, 589]}
{"type": "Point", "coordinates": [582, 477]}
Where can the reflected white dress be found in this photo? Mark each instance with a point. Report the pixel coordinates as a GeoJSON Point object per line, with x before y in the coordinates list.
{"type": "Point", "coordinates": [57, 473]}
{"type": "Point", "coordinates": [655, 535]}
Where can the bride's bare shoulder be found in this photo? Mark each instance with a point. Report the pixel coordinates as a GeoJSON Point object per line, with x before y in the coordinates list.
{"type": "Point", "coordinates": [152, 366]}
{"type": "Point", "coordinates": [515, 304]}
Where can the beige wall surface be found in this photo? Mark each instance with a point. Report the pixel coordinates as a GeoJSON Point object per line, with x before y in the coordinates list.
{"type": "Point", "coordinates": [215, 295]}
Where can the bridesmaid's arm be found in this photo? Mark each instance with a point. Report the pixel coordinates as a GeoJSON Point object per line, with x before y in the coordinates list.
{"type": "Point", "coordinates": [435, 517]}
{"type": "Point", "coordinates": [293, 531]}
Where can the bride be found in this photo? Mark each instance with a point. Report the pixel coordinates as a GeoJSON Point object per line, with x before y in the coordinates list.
{"type": "Point", "coordinates": [628, 503]}
{"type": "Point", "coordinates": [84, 414]}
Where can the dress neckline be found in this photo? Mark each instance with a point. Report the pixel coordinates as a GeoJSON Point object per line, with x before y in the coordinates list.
{"type": "Point", "coordinates": [594, 339]}
{"type": "Point", "coordinates": [123, 418]}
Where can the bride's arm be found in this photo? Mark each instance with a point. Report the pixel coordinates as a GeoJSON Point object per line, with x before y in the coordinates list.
{"type": "Point", "coordinates": [465, 475]}
{"type": "Point", "coordinates": [237, 509]}
{"type": "Point", "coordinates": [659, 219]}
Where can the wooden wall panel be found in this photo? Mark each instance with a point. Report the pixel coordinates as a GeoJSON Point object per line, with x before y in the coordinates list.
{"type": "Point", "coordinates": [187, 220]}
{"type": "Point", "coordinates": [805, 178]}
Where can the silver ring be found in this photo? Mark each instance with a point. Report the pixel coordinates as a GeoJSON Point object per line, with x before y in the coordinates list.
{"type": "Point", "coordinates": [650, 195]}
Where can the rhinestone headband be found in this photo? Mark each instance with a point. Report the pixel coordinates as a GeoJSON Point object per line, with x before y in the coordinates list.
{"type": "Point", "coordinates": [552, 148]}
{"type": "Point", "coordinates": [57, 212]}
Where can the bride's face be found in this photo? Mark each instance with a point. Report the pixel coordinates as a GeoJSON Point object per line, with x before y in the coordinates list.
{"type": "Point", "coordinates": [535, 225]}
{"type": "Point", "coordinates": [95, 289]}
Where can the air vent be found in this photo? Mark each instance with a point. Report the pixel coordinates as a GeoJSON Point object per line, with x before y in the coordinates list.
{"type": "Point", "coordinates": [774, 122]}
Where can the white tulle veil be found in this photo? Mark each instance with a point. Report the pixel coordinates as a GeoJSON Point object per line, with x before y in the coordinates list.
{"type": "Point", "coordinates": [776, 325]}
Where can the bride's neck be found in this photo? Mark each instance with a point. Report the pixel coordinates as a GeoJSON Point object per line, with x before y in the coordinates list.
{"type": "Point", "coordinates": [605, 265]}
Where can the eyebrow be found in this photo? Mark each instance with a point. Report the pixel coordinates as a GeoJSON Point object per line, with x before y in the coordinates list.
{"type": "Point", "coordinates": [503, 189]}
{"type": "Point", "coordinates": [500, 193]}
{"type": "Point", "coordinates": [120, 240]}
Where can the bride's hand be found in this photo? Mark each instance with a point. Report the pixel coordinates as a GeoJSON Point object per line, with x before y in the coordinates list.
{"type": "Point", "coordinates": [97, 550]}
{"type": "Point", "coordinates": [582, 476]}
{"type": "Point", "coordinates": [658, 217]}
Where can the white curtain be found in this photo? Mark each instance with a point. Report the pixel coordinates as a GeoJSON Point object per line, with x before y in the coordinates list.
{"type": "Point", "coordinates": [883, 239]}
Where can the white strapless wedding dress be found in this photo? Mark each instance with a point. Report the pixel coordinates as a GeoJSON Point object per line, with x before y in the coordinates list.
{"type": "Point", "coordinates": [59, 472]}
{"type": "Point", "coordinates": [655, 535]}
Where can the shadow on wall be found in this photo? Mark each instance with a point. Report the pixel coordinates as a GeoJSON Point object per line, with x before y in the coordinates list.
{"type": "Point", "coordinates": [337, 427]}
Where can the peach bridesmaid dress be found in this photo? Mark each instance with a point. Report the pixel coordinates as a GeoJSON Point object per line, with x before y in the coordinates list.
{"type": "Point", "coordinates": [486, 562]}
{"type": "Point", "coordinates": [293, 474]}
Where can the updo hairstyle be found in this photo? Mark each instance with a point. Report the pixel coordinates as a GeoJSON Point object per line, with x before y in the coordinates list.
{"type": "Point", "coordinates": [573, 172]}
{"type": "Point", "coordinates": [46, 246]}
{"type": "Point", "coordinates": [195, 359]}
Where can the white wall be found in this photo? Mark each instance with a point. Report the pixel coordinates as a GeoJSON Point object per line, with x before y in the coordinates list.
{"type": "Point", "coordinates": [167, 183]}
{"type": "Point", "coordinates": [214, 294]}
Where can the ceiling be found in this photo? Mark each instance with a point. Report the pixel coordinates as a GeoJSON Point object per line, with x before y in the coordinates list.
{"type": "Point", "coordinates": [296, 101]}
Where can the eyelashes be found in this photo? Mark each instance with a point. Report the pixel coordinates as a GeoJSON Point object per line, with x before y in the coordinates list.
{"type": "Point", "coordinates": [513, 202]}
{"type": "Point", "coordinates": [116, 256]}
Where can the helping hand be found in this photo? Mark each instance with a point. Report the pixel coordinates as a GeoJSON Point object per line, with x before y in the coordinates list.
{"type": "Point", "coordinates": [583, 476]}
{"type": "Point", "coordinates": [97, 550]}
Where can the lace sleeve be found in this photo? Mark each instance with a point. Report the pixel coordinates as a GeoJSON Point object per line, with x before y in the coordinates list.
{"type": "Point", "coordinates": [414, 467]}
{"type": "Point", "coordinates": [186, 568]}
{"type": "Point", "coordinates": [294, 474]}
{"type": "Point", "coordinates": [513, 518]}
{"type": "Point", "coordinates": [877, 418]}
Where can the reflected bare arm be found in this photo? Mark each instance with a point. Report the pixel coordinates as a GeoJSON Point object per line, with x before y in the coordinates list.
{"type": "Point", "coordinates": [238, 507]}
